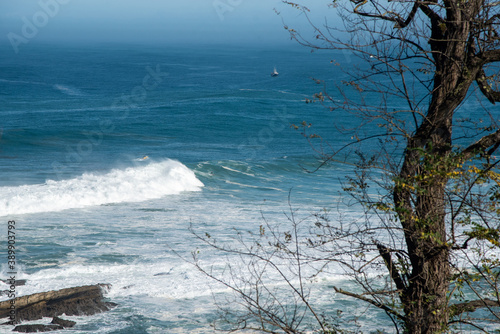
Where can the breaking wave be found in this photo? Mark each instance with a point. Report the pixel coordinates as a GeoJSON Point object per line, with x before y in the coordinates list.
{"type": "Point", "coordinates": [133, 184]}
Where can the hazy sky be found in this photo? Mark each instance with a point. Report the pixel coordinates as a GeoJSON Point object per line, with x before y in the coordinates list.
{"type": "Point", "coordinates": [205, 21]}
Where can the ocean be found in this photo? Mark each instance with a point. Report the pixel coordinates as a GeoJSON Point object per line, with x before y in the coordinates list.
{"type": "Point", "coordinates": [113, 156]}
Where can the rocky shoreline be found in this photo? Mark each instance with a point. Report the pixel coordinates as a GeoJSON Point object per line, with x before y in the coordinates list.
{"type": "Point", "coordinates": [82, 300]}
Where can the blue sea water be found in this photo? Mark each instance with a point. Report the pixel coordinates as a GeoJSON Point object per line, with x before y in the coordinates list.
{"type": "Point", "coordinates": [110, 153]}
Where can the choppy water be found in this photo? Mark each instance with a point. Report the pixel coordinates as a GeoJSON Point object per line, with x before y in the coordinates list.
{"type": "Point", "coordinates": [76, 126]}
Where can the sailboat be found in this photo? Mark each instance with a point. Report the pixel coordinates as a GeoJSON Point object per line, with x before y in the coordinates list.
{"type": "Point", "coordinates": [275, 73]}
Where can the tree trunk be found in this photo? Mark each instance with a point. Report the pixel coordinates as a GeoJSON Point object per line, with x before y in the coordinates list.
{"type": "Point", "coordinates": [424, 299]}
{"type": "Point", "coordinates": [421, 209]}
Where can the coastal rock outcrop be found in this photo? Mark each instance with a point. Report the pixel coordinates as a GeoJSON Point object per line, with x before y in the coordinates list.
{"type": "Point", "coordinates": [63, 322]}
{"type": "Point", "coordinates": [56, 324]}
{"type": "Point", "coordinates": [37, 328]}
{"type": "Point", "coordinates": [82, 300]}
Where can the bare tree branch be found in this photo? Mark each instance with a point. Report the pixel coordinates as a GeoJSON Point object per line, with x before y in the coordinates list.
{"type": "Point", "coordinates": [482, 82]}
{"type": "Point", "coordinates": [472, 306]}
{"type": "Point", "coordinates": [372, 302]}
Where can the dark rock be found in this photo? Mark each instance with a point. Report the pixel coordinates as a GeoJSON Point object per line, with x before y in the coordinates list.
{"type": "Point", "coordinates": [63, 322]}
{"type": "Point", "coordinates": [82, 300]}
{"type": "Point", "coordinates": [128, 286]}
{"type": "Point", "coordinates": [37, 328]}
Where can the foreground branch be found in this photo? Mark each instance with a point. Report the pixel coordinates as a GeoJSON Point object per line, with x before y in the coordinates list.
{"type": "Point", "coordinates": [472, 306]}
{"type": "Point", "coordinates": [371, 301]}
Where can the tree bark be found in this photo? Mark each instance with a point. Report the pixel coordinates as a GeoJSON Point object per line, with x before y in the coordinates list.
{"type": "Point", "coordinates": [422, 210]}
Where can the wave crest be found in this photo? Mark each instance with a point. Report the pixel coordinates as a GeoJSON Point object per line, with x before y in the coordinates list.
{"type": "Point", "coordinates": [133, 184]}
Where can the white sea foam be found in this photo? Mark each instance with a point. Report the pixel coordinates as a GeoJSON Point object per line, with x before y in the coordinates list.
{"type": "Point", "coordinates": [237, 171]}
{"type": "Point", "coordinates": [133, 184]}
{"type": "Point", "coordinates": [72, 91]}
